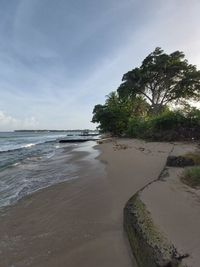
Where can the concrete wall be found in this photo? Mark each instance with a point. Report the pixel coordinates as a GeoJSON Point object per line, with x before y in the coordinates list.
{"type": "Point", "coordinates": [149, 246]}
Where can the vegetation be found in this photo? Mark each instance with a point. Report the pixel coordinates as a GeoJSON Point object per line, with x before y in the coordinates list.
{"type": "Point", "coordinates": [169, 125]}
{"type": "Point", "coordinates": [162, 79]}
{"type": "Point", "coordinates": [142, 105]}
{"type": "Point", "coordinates": [195, 157]}
{"type": "Point", "coordinates": [191, 177]}
{"type": "Point", "coordinates": [114, 115]}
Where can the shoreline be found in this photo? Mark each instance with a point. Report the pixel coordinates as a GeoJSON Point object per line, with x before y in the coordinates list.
{"type": "Point", "coordinates": [80, 222]}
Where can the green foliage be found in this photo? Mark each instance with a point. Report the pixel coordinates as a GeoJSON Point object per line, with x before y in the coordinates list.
{"type": "Point", "coordinates": [162, 79]}
{"type": "Point", "coordinates": [193, 117]}
{"type": "Point", "coordinates": [169, 125]}
{"type": "Point", "coordinates": [195, 157]}
{"type": "Point", "coordinates": [140, 106]}
{"type": "Point", "coordinates": [114, 115]}
{"type": "Point", "coordinates": [137, 127]}
{"type": "Point", "coordinates": [167, 121]}
{"type": "Point", "coordinates": [191, 177]}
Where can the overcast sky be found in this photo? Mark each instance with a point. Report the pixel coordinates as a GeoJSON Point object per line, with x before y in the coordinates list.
{"type": "Point", "coordinates": [58, 58]}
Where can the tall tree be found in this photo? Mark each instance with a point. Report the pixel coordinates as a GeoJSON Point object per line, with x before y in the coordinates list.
{"type": "Point", "coordinates": [162, 79]}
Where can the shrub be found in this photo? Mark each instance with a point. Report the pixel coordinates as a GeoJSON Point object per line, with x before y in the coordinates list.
{"type": "Point", "coordinates": [168, 120]}
{"type": "Point", "coordinates": [195, 157]}
{"type": "Point", "coordinates": [138, 127]}
{"type": "Point", "coordinates": [168, 126]}
{"type": "Point", "coordinates": [191, 177]}
{"type": "Point", "coordinates": [193, 118]}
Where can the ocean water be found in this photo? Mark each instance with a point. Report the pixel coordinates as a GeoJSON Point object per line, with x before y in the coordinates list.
{"type": "Point", "coordinates": [30, 161]}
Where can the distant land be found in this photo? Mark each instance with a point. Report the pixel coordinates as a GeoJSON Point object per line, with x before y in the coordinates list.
{"type": "Point", "coordinates": [36, 131]}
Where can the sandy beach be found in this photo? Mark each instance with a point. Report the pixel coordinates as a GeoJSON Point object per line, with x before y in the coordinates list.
{"type": "Point", "coordinates": [80, 222]}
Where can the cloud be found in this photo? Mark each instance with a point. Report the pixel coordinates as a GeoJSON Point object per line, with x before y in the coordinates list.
{"type": "Point", "coordinates": [58, 59]}
{"type": "Point", "coordinates": [8, 123]}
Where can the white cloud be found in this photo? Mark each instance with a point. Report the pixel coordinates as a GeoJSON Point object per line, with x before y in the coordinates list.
{"type": "Point", "coordinates": [51, 78]}
{"type": "Point", "coordinates": [8, 123]}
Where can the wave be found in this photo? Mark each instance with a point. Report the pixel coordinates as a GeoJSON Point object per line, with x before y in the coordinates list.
{"type": "Point", "coordinates": [28, 152]}
{"type": "Point", "coordinates": [15, 164]}
{"type": "Point", "coordinates": [36, 168]}
{"type": "Point", "coordinates": [15, 142]}
{"type": "Point", "coordinates": [29, 145]}
{"type": "Point", "coordinates": [24, 146]}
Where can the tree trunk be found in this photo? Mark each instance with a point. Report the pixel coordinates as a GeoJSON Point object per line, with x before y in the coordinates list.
{"type": "Point", "coordinates": [156, 109]}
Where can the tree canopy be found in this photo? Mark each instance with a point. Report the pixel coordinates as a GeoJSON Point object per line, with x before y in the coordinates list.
{"type": "Point", "coordinates": [143, 100]}
{"type": "Point", "coordinates": [162, 79]}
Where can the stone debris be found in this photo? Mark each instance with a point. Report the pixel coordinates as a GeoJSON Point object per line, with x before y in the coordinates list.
{"type": "Point", "coordinates": [179, 161]}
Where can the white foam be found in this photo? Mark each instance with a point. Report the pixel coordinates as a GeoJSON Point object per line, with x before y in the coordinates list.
{"type": "Point", "coordinates": [29, 145]}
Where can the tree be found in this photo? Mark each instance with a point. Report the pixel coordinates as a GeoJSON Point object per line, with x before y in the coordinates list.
{"type": "Point", "coordinates": [115, 114]}
{"type": "Point", "coordinates": [112, 116]}
{"type": "Point", "coordinates": [161, 80]}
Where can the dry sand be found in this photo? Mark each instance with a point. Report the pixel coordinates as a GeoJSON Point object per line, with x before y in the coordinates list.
{"type": "Point", "coordinates": [79, 223]}
{"type": "Point", "coordinates": [175, 209]}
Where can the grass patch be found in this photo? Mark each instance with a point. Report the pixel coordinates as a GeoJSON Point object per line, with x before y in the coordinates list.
{"type": "Point", "coordinates": [191, 177]}
{"type": "Point", "coordinates": [194, 156]}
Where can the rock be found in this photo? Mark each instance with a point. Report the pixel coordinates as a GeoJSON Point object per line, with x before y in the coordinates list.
{"type": "Point", "coordinates": [179, 161]}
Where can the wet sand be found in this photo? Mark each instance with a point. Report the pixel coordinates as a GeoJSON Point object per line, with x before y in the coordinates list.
{"type": "Point", "coordinates": [80, 222]}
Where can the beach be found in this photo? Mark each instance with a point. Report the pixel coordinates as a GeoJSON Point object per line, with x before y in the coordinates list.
{"type": "Point", "coordinates": [80, 222]}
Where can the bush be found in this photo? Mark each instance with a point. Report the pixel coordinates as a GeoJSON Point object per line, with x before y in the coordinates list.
{"type": "Point", "coordinates": [191, 177]}
{"type": "Point", "coordinates": [193, 118]}
{"type": "Point", "coordinates": [195, 157]}
{"type": "Point", "coordinates": [168, 126]}
{"type": "Point", "coordinates": [168, 120]}
{"type": "Point", "coordinates": [138, 128]}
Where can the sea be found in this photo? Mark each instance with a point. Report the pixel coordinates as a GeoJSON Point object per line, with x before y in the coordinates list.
{"type": "Point", "coordinates": [30, 161]}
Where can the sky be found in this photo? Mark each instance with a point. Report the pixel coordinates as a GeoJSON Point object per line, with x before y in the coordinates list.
{"type": "Point", "coordinates": [59, 58]}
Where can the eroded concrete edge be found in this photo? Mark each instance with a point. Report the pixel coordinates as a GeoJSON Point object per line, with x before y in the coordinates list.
{"type": "Point", "coordinates": [149, 246]}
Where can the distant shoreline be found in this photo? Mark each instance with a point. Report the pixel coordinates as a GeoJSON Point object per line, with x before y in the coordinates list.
{"type": "Point", "coordinates": [35, 131]}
